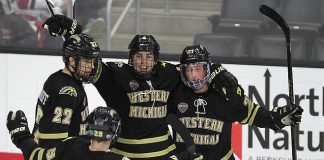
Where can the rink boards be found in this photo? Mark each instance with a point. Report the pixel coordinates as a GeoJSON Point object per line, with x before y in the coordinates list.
{"type": "Point", "coordinates": [22, 77]}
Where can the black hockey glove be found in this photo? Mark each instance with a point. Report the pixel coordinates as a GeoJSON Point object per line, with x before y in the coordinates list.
{"type": "Point", "coordinates": [225, 84]}
{"type": "Point", "coordinates": [17, 126]}
{"type": "Point", "coordinates": [286, 116]}
{"type": "Point", "coordinates": [59, 25]}
{"type": "Point", "coordinates": [237, 97]}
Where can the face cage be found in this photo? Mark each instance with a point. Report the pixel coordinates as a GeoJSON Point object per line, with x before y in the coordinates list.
{"type": "Point", "coordinates": [90, 77]}
{"type": "Point", "coordinates": [198, 84]}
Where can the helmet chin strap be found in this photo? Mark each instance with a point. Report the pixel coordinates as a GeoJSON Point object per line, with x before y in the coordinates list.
{"type": "Point", "coordinates": [146, 76]}
{"type": "Point", "coordinates": [73, 74]}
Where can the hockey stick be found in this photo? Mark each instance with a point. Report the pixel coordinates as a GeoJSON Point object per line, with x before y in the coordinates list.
{"type": "Point", "coordinates": [50, 6]}
{"type": "Point", "coordinates": [73, 9]}
{"type": "Point", "coordinates": [269, 12]}
{"type": "Point", "coordinates": [178, 126]}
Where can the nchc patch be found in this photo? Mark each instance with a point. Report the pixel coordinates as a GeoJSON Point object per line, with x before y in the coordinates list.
{"type": "Point", "coordinates": [69, 90]}
{"type": "Point", "coordinates": [133, 84]}
{"type": "Point", "coordinates": [182, 107]}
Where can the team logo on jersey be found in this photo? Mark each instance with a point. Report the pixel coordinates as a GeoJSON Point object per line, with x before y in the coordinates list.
{"type": "Point", "coordinates": [182, 107]}
{"type": "Point", "coordinates": [119, 63]}
{"type": "Point", "coordinates": [200, 105]}
{"type": "Point", "coordinates": [133, 85]}
{"type": "Point", "coordinates": [69, 90]}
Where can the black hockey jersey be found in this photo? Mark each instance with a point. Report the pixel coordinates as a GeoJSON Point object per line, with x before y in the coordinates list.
{"type": "Point", "coordinates": [142, 106]}
{"type": "Point", "coordinates": [61, 107]}
{"type": "Point", "coordinates": [209, 118]}
{"type": "Point", "coordinates": [72, 148]}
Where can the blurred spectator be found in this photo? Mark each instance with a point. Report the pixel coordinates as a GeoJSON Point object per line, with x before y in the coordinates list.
{"type": "Point", "coordinates": [15, 30]}
{"type": "Point", "coordinates": [38, 8]}
{"type": "Point", "coordinates": [37, 11]}
{"type": "Point", "coordinates": [21, 20]}
{"type": "Point", "coordinates": [87, 14]}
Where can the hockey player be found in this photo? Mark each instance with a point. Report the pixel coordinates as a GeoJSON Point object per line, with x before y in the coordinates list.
{"type": "Point", "coordinates": [209, 114]}
{"type": "Point", "coordinates": [62, 104]}
{"type": "Point", "coordinates": [103, 128]}
{"type": "Point", "coordinates": [140, 90]}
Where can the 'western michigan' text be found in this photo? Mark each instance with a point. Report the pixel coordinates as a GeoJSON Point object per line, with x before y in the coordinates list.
{"type": "Point", "coordinates": [204, 123]}
{"type": "Point", "coordinates": [147, 96]}
{"type": "Point", "coordinates": [148, 112]}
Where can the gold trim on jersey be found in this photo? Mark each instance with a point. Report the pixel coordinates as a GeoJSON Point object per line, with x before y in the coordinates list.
{"type": "Point", "coordinates": [252, 111]}
{"type": "Point", "coordinates": [98, 73]}
{"type": "Point", "coordinates": [67, 139]}
{"type": "Point", "coordinates": [40, 154]}
{"type": "Point", "coordinates": [53, 135]}
{"type": "Point", "coordinates": [145, 155]}
{"type": "Point", "coordinates": [253, 115]}
{"type": "Point", "coordinates": [228, 155]}
{"type": "Point", "coordinates": [143, 141]}
{"type": "Point", "coordinates": [31, 157]}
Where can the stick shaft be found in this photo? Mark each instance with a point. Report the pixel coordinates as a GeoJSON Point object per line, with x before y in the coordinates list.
{"type": "Point", "coordinates": [50, 7]}
{"type": "Point", "coordinates": [285, 28]}
{"type": "Point", "coordinates": [291, 97]}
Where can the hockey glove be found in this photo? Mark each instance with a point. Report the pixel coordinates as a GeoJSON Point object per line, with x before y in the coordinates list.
{"type": "Point", "coordinates": [225, 83]}
{"type": "Point", "coordinates": [196, 156]}
{"type": "Point", "coordinates": [237, 97]}
{"type": "Point", "coordinates": [186, 156]}
{"type": "Point", "coordinates": [59, 25]}
{"type": "Point", "coordinates": [17, 126]}
{"type": "Point", "coordinates": [227, 86]}
{"type": "Point", "coordinates": [286, 116]}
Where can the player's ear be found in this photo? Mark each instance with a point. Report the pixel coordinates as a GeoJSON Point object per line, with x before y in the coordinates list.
{"type": "Point", "coordinates": [71, 61]}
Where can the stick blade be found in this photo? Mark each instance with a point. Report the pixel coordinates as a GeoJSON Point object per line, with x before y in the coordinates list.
{"type": "Point", "coordinates": [271, 13]}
